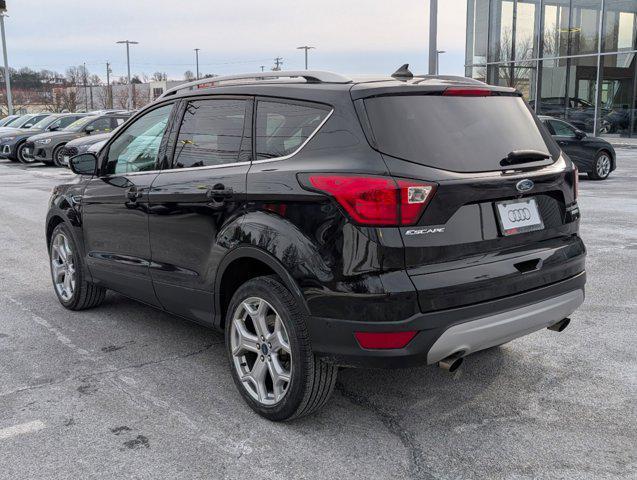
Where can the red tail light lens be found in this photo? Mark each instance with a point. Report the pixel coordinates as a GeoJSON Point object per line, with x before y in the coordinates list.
{"type": "Point", "coordinates": [383, 340]}
{"type": "Point", "coordinates": [466, 92]}
{"type": "Point", "coordinates": [380, 201]}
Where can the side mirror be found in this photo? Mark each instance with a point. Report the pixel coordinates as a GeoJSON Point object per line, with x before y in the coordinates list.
{"type": "Point", "coordinates": [89, 129]}
{"type": "Point", "coordinates": [83, 164]}
{"type": "Point", "coordinates": [53, 129]}
{"type": "Point", "coordinates": [579, 134]}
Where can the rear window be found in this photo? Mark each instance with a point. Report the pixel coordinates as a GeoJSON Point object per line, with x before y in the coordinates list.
{"type": "Point", "coordinates": [461, 134]}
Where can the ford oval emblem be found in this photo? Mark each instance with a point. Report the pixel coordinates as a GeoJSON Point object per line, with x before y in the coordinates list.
{"type": "Point", "coordinates": [524, 185]}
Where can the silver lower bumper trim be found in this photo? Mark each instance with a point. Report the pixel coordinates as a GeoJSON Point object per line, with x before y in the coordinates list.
{"type": "Point", "coordinates": [502, 327]}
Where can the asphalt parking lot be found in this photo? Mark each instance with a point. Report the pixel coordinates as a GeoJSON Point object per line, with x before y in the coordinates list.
{"type": "Point", "coordinates": [125, 391]}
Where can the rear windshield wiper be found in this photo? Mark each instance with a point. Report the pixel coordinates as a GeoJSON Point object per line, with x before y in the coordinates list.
{"type": "Point", "coordinates": [524, 156]}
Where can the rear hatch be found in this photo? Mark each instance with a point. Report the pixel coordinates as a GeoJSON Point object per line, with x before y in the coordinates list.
{"type": "Point", "coordinates": [502, 218]}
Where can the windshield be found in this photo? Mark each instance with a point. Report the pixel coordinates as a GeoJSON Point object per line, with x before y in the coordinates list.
{"type": "Point", "coordinates": [19, 122]}
{"type": "Point", "coordinates": [7, 120]}
{"type": "Point", "coordinates": [45, 122]}
{"type": "Point", "coordinates": [79, 124]}
{"type": "Point", "coordinates": [461, 134]}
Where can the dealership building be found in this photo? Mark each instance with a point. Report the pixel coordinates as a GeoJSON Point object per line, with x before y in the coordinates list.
{"type": "Point", "coordinates": [571, 59]}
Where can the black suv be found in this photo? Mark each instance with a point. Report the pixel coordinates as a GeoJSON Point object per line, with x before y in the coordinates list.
{"type": "Point", "coordinates": [325, 222]}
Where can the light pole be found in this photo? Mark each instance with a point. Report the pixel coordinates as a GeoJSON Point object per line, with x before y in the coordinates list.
{"type": "Point", "coordinates": [197, 61]}
{"type": "Point", "coordinates": [130, 85]}
{"type": "Point", "coordinates": [7, 76]}
{"type": "Point", "coordinates": [306, 48]}
{"type": "Point", "coordinates": [438, 52]}
{"type": "Point", "coordinates": [433, 36]}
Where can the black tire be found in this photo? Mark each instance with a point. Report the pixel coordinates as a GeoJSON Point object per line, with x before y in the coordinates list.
{"type": "Point", "coordinates": [57, 156]}
{"type": "Point", "coordinates": [601, 166]}
{"type": "Point", "coordinates": [311, 380]}
{"type": "Point", "coordinates": [19, 154]}
{"type": "Point", "coordinates": [85, 294]}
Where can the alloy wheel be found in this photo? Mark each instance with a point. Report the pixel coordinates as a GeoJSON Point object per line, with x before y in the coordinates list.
{"type": "Point", "coordinates": [63, 267]}
{"type": "Point", "coordinates": [260, 349]}
{"type": "Point", "coordinates": [602, 168]}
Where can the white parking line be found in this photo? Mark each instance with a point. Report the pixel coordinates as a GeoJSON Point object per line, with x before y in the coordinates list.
{"type": "Point", "coordinates": [29, 427]}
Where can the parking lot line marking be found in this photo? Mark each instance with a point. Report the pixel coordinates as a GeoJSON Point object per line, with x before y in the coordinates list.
{"type": "Point", "coordinates": [28, 427]}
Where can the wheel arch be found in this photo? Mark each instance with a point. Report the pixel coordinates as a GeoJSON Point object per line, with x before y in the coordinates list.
{"type": "Point", "coordinates": [51, 223]}
{"type": "Point", "coordinates": [240, 265]}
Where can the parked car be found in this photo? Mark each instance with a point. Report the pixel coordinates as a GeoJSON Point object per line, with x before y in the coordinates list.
{"type": "Point", "coordinates": [12, 143]}
{"type": "Point", "coordinates": [592, 155]}
{"type": "Point", "coordinates": [25, 121]}
{"type": "Point", "coordinates": [6, 121]}
{"type": "Point", "coordinates": [47, 147]}
{"type": "Point", "coordinates": [83, 145]}
{"type": "Point", "coordinates": [324, 222]}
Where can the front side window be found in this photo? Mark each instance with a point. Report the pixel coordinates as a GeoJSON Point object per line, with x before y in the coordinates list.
{"type": "Point", "coordinates": [211, 133]}
{"type": "Point", "coordinates": [283, 127]}
{"type": "Point", "coordinates": [137, 148]}
{"type": "Point", "coordinates": [562, 129]}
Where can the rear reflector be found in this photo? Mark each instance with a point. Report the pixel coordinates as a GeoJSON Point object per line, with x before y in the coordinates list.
{"type": "Point", "coordinates": [375, 200]}
{"type": "Point", "coordinates": [575, 182]}
{"type": "Point", "coordinates": [383, 340]}
{"type": "Point", "coordinates": [466, 92]}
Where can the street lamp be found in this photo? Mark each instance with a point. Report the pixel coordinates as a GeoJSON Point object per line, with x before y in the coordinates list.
{"type": "Point", "coordinates": [130, 85]}
{"type": "Point", "coordinates": [438, 52]}
{"type": "Point", "coordinates": [306, 48]}
{"type": "Point", "coordinates": [7, 76]}
{"type": "Point", "coordinates": [197, 61]}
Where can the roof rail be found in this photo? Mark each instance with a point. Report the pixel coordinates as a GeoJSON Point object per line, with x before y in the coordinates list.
{"type": "Point", "coordinates": [310, 76]}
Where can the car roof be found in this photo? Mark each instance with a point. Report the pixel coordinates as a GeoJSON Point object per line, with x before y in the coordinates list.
{"type": "Point", "coordinates": [304, 84]}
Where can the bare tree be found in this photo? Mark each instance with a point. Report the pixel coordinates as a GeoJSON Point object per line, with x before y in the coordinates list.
{"type": "Point", "coordinates": [189, 76]}
{"type": "Point", "coordinates": [159, 76]}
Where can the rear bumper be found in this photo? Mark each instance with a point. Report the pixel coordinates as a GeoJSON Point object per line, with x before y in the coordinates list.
{"type": "Point", "coordinates": [442, 333]}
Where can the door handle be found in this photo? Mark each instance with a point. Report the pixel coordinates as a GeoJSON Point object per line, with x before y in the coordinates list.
{"type": "Point", "coordinates": [133, 194]}
{"type": "Point", "coordinates": [219, 191]}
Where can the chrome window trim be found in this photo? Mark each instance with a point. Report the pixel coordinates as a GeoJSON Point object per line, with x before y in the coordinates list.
{"type": "Point", "coordinates": [221, 165]}
{"type": "Point", "coordinates": [300, 147]}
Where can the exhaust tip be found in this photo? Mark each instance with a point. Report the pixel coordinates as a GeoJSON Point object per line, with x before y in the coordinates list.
{"type": "Point", "coordinates": [561, 325]}
{"type": "Point", "coordinates": [451, 363]}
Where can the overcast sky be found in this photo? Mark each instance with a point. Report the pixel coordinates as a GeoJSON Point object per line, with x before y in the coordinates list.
{"type": "Point", "coordinates": [351, 36]}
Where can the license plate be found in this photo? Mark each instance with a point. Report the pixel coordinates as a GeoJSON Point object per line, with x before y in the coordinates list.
{"type": "Point", "coordinates": [519, 216]}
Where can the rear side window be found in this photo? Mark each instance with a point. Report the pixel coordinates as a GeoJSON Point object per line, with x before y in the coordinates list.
{"type": "Point", "coordinates": [284, 127]}
{"type": "Point", "coordinates": [211, 133]}
{"type": "Point", "coordinates": [461, 134]}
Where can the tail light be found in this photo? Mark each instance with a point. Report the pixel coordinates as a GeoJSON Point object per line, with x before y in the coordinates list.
{"type": "Point", "coordinates": [466, 92]}
{"type": "Point", "coordinates": [375, 200]}
{"type": "Point", "coordinates": [384, 340]}
{"type": "Point", "coordinates": [575, 182]}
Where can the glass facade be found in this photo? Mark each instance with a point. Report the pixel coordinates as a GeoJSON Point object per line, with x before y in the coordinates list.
{"type": "Point", "coordinates": [571, 59]}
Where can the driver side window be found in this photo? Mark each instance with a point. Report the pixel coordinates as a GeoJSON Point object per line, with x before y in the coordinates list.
{"type": "Point", "coordinates": [562, 129]}
{"type": "Point", "coordinates": [137, 148]}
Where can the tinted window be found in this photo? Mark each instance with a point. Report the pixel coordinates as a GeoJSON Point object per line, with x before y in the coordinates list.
{"type": "Point", "coordinates": [103, 124]}
{"type": "Point", "coordinates": [462, 134]}
{"type": "Point", "coordinates": [211, 133]}
{"type": "Point", "coordinates": [136, 149]}
{"type": "Point", "coordinates": [65, 121]}
{"type": "Point", "coordinates": [283, 127]}
{"type": "Point", "coordinates": [562, 129]}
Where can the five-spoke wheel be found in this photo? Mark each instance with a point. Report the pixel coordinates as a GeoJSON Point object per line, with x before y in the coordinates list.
{"type": "Point", "coordinates": [261, 350]}
{"type": "Point", "coordinates": [271, 358]}
{"type": "Point", "coordinates": [63, 266]}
